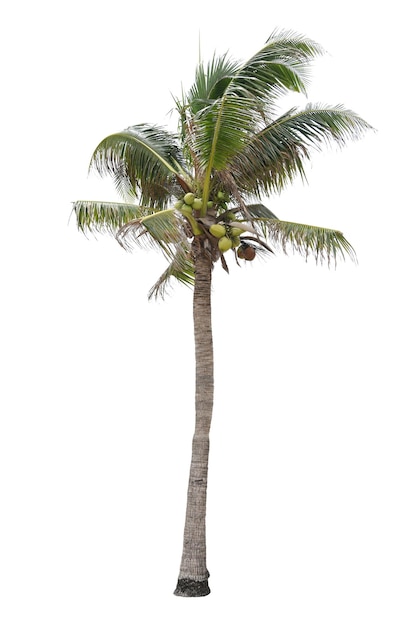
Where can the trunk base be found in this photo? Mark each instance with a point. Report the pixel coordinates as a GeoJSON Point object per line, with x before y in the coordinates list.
{"type": "Point", "coordinates": [188, 588]}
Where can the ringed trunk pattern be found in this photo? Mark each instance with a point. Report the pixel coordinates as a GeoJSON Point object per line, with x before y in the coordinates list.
{"type": "Point", "coordinates": [193, 577]}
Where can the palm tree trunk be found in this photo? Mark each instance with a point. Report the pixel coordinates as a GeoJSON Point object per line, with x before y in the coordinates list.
{"type": "Point", "coordinates": [193, 577]}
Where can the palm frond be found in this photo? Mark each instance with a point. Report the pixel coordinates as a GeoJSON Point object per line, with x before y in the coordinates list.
{"type": "Point", "coordinates": [210, 82]}
{"type": "Point", "coordinates": [323, 244]}
{"type": "Point", "coordinates": [319, 124]}
{"type": "Point", "coordinates": [221, 130]}
{"type": "Point", "coordinates": [276, 155]}
{"type": "Point", "coordinates": [105, 217]}
{"type": "Point", "coordinates": [181, 268]}
{"type": "Point", "coordinates": [282, 65]}
{"type": "Point", "coordinates": [142, 159]}
{"type": "Point", "coordinates": [206, 117]}
{"type": "Point", "coordinates": [161, 230]}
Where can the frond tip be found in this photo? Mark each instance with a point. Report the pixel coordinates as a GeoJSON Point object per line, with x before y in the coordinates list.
{"type": "Point", "coordinates": [323, 244]}
{"type": "Point", "coordinates": [94, 216]}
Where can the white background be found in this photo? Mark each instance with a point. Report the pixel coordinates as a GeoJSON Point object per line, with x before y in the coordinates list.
{"type": "Point", "coordinates": [312, 510]}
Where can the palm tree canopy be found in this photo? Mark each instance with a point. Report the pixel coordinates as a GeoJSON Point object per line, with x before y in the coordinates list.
{"type": "Point", "coordinates": [232, 148]}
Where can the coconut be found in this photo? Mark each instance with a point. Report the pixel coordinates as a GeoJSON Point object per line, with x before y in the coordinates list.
{"type": "Point", "coordinates": [186, 208]}
{"type": "Point", "coordinates": [178, 204]}
{"type": "Point", "coordinates": [197, 204]}
{"type": "Point", "coordinates": [217, 230]}
{"type": "Point", "coordinates": [189, 198]}
{"type": "Point", "coordinates": [249, 253]}
{"type": "Point", "coordinates": [246, 252]}
{"type": "Point", "coordinates": [224, 244]}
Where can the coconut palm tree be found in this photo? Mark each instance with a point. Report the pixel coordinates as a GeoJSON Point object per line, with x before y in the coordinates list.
{"type": "Point", "coordinates": [197, 194]}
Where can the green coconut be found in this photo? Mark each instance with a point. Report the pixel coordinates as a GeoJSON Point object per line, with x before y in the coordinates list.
{"type": "Point", "coordinates": [189, 198]}
{"type": "Point", "coordinates": [224, 244]}
{"type": "Point", "coordinates": [217, 230]}
{"type": "Point", "coordinates": [197, 204]}
{"type": "Point", "coordinates": [235, 231]}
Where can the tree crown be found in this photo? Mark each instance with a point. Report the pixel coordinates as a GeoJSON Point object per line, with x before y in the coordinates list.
{"type": "Point", "coordinates": [201, 188]}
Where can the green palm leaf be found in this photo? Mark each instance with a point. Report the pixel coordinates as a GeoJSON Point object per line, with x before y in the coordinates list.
{"type": "Point", "coordinates": [319, 124]}
{"type": "Point", "coordinates": [210, 119]}
{"type": "Point", "coordinates": [210, 82]}
{"type": "Point", "coordinates": [105, 217]}
{"type": "Point", "coordinates": [275, 155]}
{"type": "Point", "coordinates": [324, 244]}
{"type": "Point", "coordinates": [282, 65]}
{"type": "Point", "coordinates": [142, 159]}
{"type": "Point", "coordinates": [221, 130]}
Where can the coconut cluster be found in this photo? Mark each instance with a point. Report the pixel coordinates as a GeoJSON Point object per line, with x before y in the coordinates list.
{"type": "Point", "coordinates": [229, 236]}
{"type": "Point", "coordinates": [189, 203]}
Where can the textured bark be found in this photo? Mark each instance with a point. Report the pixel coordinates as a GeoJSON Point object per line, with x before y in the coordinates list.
{"type": "Point", "coordinates": [194, 575]}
